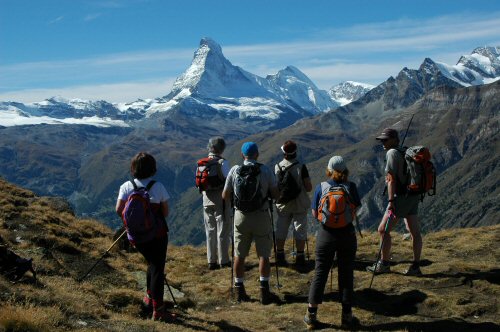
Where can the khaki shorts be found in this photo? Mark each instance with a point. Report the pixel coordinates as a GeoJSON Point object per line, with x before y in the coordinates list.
{"type": "Point", "coordinates": [299, 225]}
{"type": "Point", "coordinates": [405, 206]}
{"type": "Point", "coordinates": [252, 226]}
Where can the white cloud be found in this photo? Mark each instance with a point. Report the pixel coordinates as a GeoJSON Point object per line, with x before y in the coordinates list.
{"type": "Point", "coordinates": [121, 92]}
{"type": "Point", "coordinates": [372, 73]}
{"type": "Point", "coordinates": [57, 19]}
{"type": "Point", "coordinates": [367, 53]}
{"type": "Point", "coordinates": [91, 17]}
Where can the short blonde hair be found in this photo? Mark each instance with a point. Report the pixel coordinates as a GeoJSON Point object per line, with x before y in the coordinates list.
{"type": "Point", "coordinates": [337, 176]}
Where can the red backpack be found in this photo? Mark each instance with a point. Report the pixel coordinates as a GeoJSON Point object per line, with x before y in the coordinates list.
{"type": "Point", "coordinates": [421, 174]}
{"type": "Point", "coordinates": [209, 174]}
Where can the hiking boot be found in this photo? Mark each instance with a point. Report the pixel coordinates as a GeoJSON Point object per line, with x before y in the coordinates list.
{"type": "Point", "coordinates": [147, 301]}
{"type": "Point", "coordinates": [311, 320]}
{"type": "Point", "coordinates": [161, 314]}
{"type": "Point", "coordinates": [266, 297]}
{"type": "Point", "coordinates": [379, 268]}
{"type": "Point", "coordinates": [224, 265]}
{"type": "Point", "coordinates": [413, 270]}
{"type": "Point", "coordinates": [241, 294]}
{"type": "Point", "coordinates": [300, 263]}
{"type": "Point", "coordinates": [348, 321]}
{"type": "Point", "coordinates": [280, 259]}
{"type": "Point", "coordinates": [213, 266]}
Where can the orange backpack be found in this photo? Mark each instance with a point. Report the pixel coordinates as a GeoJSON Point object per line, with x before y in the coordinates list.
{"type": "Point", "coordinates": [421, 174]}
{"type": "Point", "coordinates": [335, 207]}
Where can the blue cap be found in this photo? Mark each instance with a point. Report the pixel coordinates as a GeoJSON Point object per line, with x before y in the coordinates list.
{"type": "Point", "coordinates": [249, 149]}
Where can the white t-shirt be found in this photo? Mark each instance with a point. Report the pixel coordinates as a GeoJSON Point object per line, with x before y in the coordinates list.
{"type": "Point", "coordinates": [157, 193]}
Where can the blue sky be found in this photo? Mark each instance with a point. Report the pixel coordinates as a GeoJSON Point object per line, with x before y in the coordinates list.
{"type": "Point", "coordinates": [121, 50]}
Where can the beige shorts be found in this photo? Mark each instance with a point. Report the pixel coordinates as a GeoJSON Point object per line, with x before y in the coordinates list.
{"type": "Point", "coordinates": [299, 225]}
{"type": "Point", "coordinates": [252, 226]}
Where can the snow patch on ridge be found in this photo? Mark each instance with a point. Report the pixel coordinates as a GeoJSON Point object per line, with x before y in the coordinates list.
{"type": "Point", "coordinates": [9, 118]}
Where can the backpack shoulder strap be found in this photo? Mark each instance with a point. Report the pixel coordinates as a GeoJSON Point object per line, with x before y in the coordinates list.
{"type": "Point", "coordinates": [286, 168]}
{"type": "Point", "coordinates": [150, 185]}
{"type": "Point", "coordinates": [325, 186]}
{"type": "Point", "coordinates": [134, 184]}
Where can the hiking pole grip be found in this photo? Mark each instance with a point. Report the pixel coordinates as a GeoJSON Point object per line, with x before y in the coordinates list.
{"type": "Point", "coordinates": [95, 264]}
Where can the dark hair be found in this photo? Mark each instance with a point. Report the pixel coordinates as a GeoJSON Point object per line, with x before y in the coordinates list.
{"type": "Point", "coordinates": [289, 149]}
{"type": "Point", "coordinates": [290, 156]}
{"type": "Point", "coordinates": [143, 165]}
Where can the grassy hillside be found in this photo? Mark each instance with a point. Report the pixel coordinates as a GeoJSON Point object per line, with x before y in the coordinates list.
{"type": "Point", "coordinates": [458, 292]}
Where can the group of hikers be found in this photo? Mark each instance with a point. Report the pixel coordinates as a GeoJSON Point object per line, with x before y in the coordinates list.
{"type": "Point", "coordinates": [238, 206]}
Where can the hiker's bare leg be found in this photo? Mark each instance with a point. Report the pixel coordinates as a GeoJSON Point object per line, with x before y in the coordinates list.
{"type": "Point", "coordinates": [413, 226]}
{"type": "Point", "coordinates": [239, 266]}
{"type": "Point", "coordinates": [386, 249]}
{"type": "Point", "coordinates": [264, 267]}
{"type": "Point", "coordinates": [300, 245]}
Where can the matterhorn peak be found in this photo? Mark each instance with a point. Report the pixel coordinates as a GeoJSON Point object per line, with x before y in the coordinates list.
{"type": "Point", "coordinates": [207, 42]}
{"type": "Point", "coordinates": [207, 58]}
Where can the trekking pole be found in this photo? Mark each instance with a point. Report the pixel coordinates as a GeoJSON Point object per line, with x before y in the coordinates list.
{"type": "Point", "coordinates": [391, 216]}
{"type": "Point", "coordinates": [278, 285]}
{"type": "Point", "coordinates": [406, 133]}
{"type": "Point", "coordinates": [100, 259]}
{"type": "Point", "coordinates": [232, 252]}
{"type": "Point", "coordinates": [294, 253]}
{"type": "Point", "coordinates": [331, 279]}
{"type": "Point", "coordinates": [357, 226]}
{"type": "Point", "coordinates": [307, 245]}
{"type": "Point", "coordinates": [170, 291]}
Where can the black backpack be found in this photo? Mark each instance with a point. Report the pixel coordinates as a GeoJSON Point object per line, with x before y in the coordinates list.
{"type": "Point", "coordinates": [246, 188]}
{"type": "Point", "coordinates": [13, 266]}
{"type": "Point", "coordinates": [287, 185]}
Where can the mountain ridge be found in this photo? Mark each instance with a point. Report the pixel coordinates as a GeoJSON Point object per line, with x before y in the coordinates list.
{"type": "Point", "coordinates": [86, 164]}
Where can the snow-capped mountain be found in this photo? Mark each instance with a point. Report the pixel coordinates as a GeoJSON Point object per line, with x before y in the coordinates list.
{"type": "Point", "coordinates": [349, 91]}
{"type": "Point", "coordinates": [213, 88]}
{"type": "Point", "coordinates": [294, 85]}
{"type": "Point", "coordinates": [480, 67]}
{"type": "Point", "coordinates": [210, 87]}
{"type": "Point", "coordinates": [57, 110]}
{"type": "Point", "coordinates": [213, 85]}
